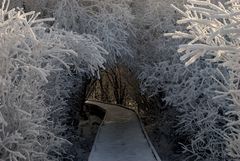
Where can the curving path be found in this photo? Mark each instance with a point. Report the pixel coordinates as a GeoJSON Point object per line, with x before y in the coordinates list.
{"type": "Point", "coordinates": [121, 137]}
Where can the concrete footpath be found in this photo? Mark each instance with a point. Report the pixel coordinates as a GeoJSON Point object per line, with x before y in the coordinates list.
{"type": "Point", "coordinates": [121, 137]}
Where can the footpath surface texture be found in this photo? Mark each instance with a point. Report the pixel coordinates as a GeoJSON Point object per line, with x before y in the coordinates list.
{"type": "Point", "coordinates": [121, 137]}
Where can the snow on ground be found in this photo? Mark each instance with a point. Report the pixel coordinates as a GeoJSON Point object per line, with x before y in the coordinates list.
{"type": "Point", "coordinates": [120, 138]}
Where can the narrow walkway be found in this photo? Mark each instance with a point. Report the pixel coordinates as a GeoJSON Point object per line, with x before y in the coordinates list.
{"type": "Point", "coordinates": [121, 137]}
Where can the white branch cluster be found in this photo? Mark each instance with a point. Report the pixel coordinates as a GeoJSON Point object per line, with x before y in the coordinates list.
{"type": "Point", "coordinates": [109, 20]}
{"type": "Point", "coordinates": [213, 33]}
{"type": "Point", "coordinates": [31, 56]}
{"type": "Point", "coordinates": [206, 90]}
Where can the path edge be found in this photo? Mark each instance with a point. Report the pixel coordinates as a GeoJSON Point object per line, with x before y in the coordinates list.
{"type": "Point", "coordinates": [140, 122]}
{"type": "Point", "coordinates": [88, 102]}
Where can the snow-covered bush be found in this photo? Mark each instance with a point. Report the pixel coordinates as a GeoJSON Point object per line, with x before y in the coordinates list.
{"type": "Point", "coordinates": [109, 20]}
{"type": "Point", "coordinates": [190, 91]}
{"type": "Point", "coordinates": [45, 7]}
{"type": "Point", "coordinates": [24, 70]}
{"type": "Point", "coordinates": [155, 18]}
{"type": "Point", "coordinates": [32, 58]}
{"type": "Point", "coordinates": [204, 116]}
{"type": "Point", "coordinates": [63, 84]}
{"type": "Point", "coordinates": [159, 18]}
{"type": "Point", "coordinates": [212, 30]}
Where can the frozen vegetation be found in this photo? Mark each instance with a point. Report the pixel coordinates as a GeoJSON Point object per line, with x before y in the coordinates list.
{"type": "Point", "coordinates": [39, 66]}
{"type": "Point", "coordinates": [173, 58]}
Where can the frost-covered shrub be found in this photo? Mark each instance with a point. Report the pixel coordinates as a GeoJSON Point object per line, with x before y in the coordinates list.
{"type": "Point", "coordinates": [109, 20]}
{"type": "Point", "coordinates": [70, 15]}
{"type": "Point", "coordinates": [204, 116]}
{"type": "Point", "coordinates": [159, 18]}
{"type": "Point", "coordinates": [156, 18]}
{"type": "Point", "coordinates": [24, 70]}
{"type": "Point", "coordinates": [190, 91]}
{"type": "Point", "coordinates": [34, 57]}
{"type": "Point", "coordinates": [45, 7]}
{"type": "Point", "coordinates": [64, 84]}
{"type": "Point", "coordinates": [212, 30]}
{"type": "Point", "coordinates": [16, 3]}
